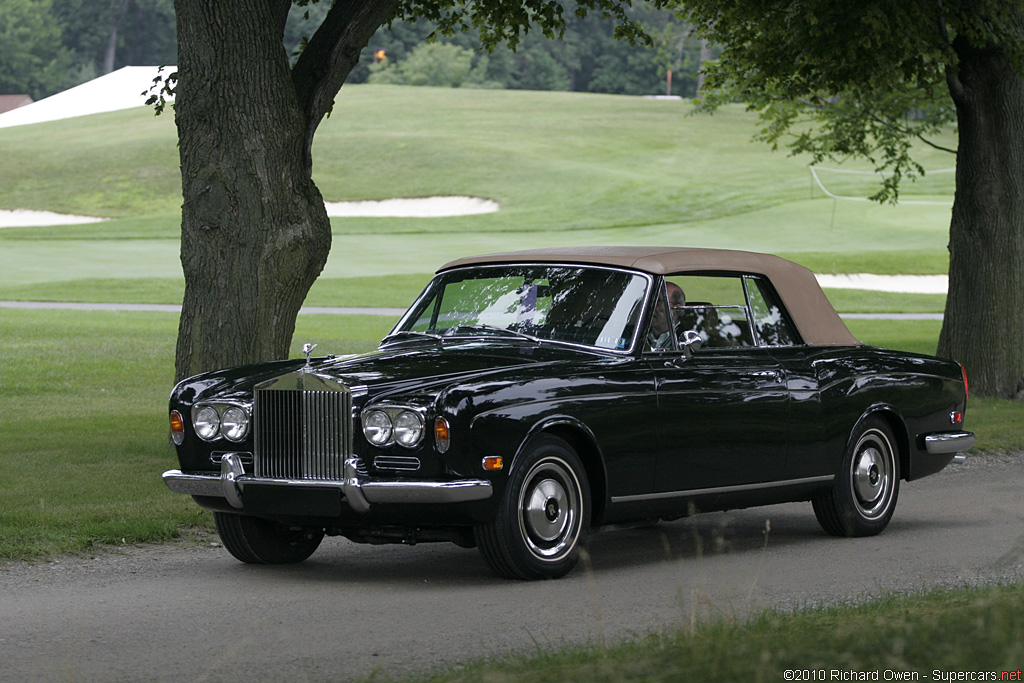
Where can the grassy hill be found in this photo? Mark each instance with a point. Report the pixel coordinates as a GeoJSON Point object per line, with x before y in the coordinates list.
{"type": "Point", "coordinates": [566, 168]}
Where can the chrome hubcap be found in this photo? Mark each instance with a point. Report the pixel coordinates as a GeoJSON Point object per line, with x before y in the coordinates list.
{"type": "Point", "coordinates": [549, 515]}
{"type": "Point", "coordinates": [872, 474]}
{"type": "Point", "coordinates": [545, 510]}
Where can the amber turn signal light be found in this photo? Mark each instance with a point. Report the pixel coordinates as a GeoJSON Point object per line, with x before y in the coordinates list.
{"type": "Point", "coordinates": [493, 463]}
{"type": "Point", "coordinates": [442, 434]}
{"type": "Point", "coordinates": [177, 427]}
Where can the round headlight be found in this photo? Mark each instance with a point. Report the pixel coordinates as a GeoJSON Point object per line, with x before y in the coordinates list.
{"type": "Point", "coordinates": [234, 424]}
{"type": "Point", "coordinates": [408, 428]}
{"type": "Point", "coordinates": [377, 427]}
{"type": "Point", "coordinates": [206, 421]}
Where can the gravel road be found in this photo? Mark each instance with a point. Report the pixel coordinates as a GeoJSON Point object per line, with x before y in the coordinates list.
{"type": "Point", "coordinates": [188, 611]}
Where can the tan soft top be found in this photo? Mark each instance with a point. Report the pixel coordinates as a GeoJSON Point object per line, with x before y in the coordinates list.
{"type": "Point", "coordinates": [811, 311]}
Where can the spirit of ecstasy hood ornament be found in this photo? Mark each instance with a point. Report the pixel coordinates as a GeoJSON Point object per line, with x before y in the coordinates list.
{"type": "Point", "coordinates": [308, 349]}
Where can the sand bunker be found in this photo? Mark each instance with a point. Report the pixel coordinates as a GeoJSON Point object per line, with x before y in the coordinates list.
{"type": "Point", "coordinates": [907, 284]}
{"type": "Point", "coordinates": [21, 218]}
{"type": "Point", "coordinates": [424, 207]}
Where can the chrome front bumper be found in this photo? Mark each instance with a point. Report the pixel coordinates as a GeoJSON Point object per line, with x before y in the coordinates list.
{"type": "Point", "coordinates": [359, 492]}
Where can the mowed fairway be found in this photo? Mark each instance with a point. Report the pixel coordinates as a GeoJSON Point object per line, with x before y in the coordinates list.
{"type": "Point", "coordinates": [83, 394]}
{"type": "Point", "coordinates": [565, 168]}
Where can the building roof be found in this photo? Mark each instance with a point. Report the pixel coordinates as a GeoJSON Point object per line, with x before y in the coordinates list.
{"type": "Point", "coordinates": [9, 102]}
{"type": "Point", "coordinates": [809, 308]}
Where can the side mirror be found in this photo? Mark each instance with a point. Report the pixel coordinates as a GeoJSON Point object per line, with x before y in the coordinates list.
{"type": "Point", "coordinates": [691, 342]}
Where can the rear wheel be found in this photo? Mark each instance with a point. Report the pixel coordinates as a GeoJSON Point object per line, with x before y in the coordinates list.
{"type": "Point", "coordinates": [543, 516]}
{"type": "Point", "coordinates": [260, 541]}
{"type": "Point", "coordinates": [863, 497]}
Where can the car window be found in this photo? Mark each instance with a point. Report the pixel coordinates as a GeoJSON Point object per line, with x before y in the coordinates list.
{"type": "Point", "coordinates": [661, 331]}
{"type": "Point", "coordinates": [716, 308]}
{"type": "Point", "coordinates": [770, 323]}
{"type": "Point", "coordinates": [592, 306]}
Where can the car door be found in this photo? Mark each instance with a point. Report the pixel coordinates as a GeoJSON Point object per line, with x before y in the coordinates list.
{"type": "Point", "coordinates": [723, 419]}
{"type": "Point", "coordinates": [723, 413]}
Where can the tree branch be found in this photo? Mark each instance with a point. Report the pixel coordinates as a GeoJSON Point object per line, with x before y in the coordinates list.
{"type": "Point", "coordinates": [956, 88]}
{"type": "Point", "coordinates": [330, 56]}
{"type": "Point", "coordinates": [907, 130]}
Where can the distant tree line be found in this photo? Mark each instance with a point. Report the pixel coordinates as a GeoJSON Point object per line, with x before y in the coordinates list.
{"type": "Point", "coordinates": [50, 45]}
{"type": "Point", "coordinates": [587, 59]}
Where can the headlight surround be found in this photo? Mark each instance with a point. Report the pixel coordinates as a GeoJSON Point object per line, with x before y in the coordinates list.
{"type": "Point", "coordinates": [215, 421]}
{"type": "Point", "coordinates": [234, 424]}
{"type": "Point", "coordinates": [389, 425]}
{"type": "Point", "coordinates": [206, 421]}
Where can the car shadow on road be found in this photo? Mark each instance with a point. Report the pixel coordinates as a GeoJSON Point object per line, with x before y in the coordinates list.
{"type": "Point", "coordinates": [742, 534]}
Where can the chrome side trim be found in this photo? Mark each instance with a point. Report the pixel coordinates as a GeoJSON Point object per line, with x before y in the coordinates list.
{"type": "Point", "coordinates": [948, 442]}
{"type": "Point", "coordinates": [723, 489]}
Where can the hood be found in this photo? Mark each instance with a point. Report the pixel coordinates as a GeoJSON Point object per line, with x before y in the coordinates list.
{"type": "Point", "coordinates": [395, 368]}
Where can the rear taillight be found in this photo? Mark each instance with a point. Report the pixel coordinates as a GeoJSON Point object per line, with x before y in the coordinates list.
{"type": "Point", "coordinates": [963, 371]}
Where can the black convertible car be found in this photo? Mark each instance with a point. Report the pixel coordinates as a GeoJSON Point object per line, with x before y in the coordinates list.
{"type": "Point", "coordinates": [527, 399]}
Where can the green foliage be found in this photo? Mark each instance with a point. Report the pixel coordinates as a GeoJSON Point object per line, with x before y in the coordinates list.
{"type": "Point", "coordinates": [143, 32]}
{"type": "Point", "coordinates": [847, 78]}
{"type": "Point", "coordinates": [32, 60]}
{"type": "Point", "coordinates": [49, 45]}
{"type": "Point", "coordinates": [435, 64]}
{"type": "Point", "coordinates": [587, 58]}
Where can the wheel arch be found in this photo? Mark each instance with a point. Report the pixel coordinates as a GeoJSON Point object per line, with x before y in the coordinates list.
{"type": "Point", "coordinates": [898, 427]}
{"type": "Point", "coordinates": [583, 441]}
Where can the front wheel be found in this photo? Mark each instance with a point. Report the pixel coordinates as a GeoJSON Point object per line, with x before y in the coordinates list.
{"type": "Point", "coordinates": [260, 541]}
{"type": "Point", "coordinates": [863, 497]}
{"type": "Point", "coordinates": [543, 516]}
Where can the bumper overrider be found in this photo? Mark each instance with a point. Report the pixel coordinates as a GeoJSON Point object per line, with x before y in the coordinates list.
{"type": "Point", "coordinates": [359, 492]}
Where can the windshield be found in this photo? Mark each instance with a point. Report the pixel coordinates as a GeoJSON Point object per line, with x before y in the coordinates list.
{"type": "Point", "coordinates": [591, 306]}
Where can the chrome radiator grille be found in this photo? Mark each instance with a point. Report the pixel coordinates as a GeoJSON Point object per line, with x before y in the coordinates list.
{"type": "Point", "coordinates": [302, 434]}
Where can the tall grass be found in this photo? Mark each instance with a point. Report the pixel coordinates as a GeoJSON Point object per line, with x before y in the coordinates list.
{"type": "Point", "coordinates": [968, 634]}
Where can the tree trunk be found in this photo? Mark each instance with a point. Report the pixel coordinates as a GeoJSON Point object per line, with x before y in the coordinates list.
{"type": "Point", "coordinates": [705, 56]}
{"type": "Point", "coordinates": [110, 52]}
{"type": "Point", "coordinates": [254, 234]}
{"type": "Point", "coordinates": [983, 326]}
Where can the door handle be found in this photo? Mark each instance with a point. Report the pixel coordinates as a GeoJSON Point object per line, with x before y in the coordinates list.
{"type": "Point", "coordinates": [769, 374]}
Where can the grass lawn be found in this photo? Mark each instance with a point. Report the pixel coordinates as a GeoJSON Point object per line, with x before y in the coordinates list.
{"type": "Point", "coordinates": [83, 417]}
{"type": "Point", "coordinates": [918, 637]}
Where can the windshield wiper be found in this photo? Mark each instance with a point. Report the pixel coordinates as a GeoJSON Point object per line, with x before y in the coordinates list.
{"type": "Point", "coordinates": [412, 334]}
{"type": "Point", "coordinates": [491, 328]}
